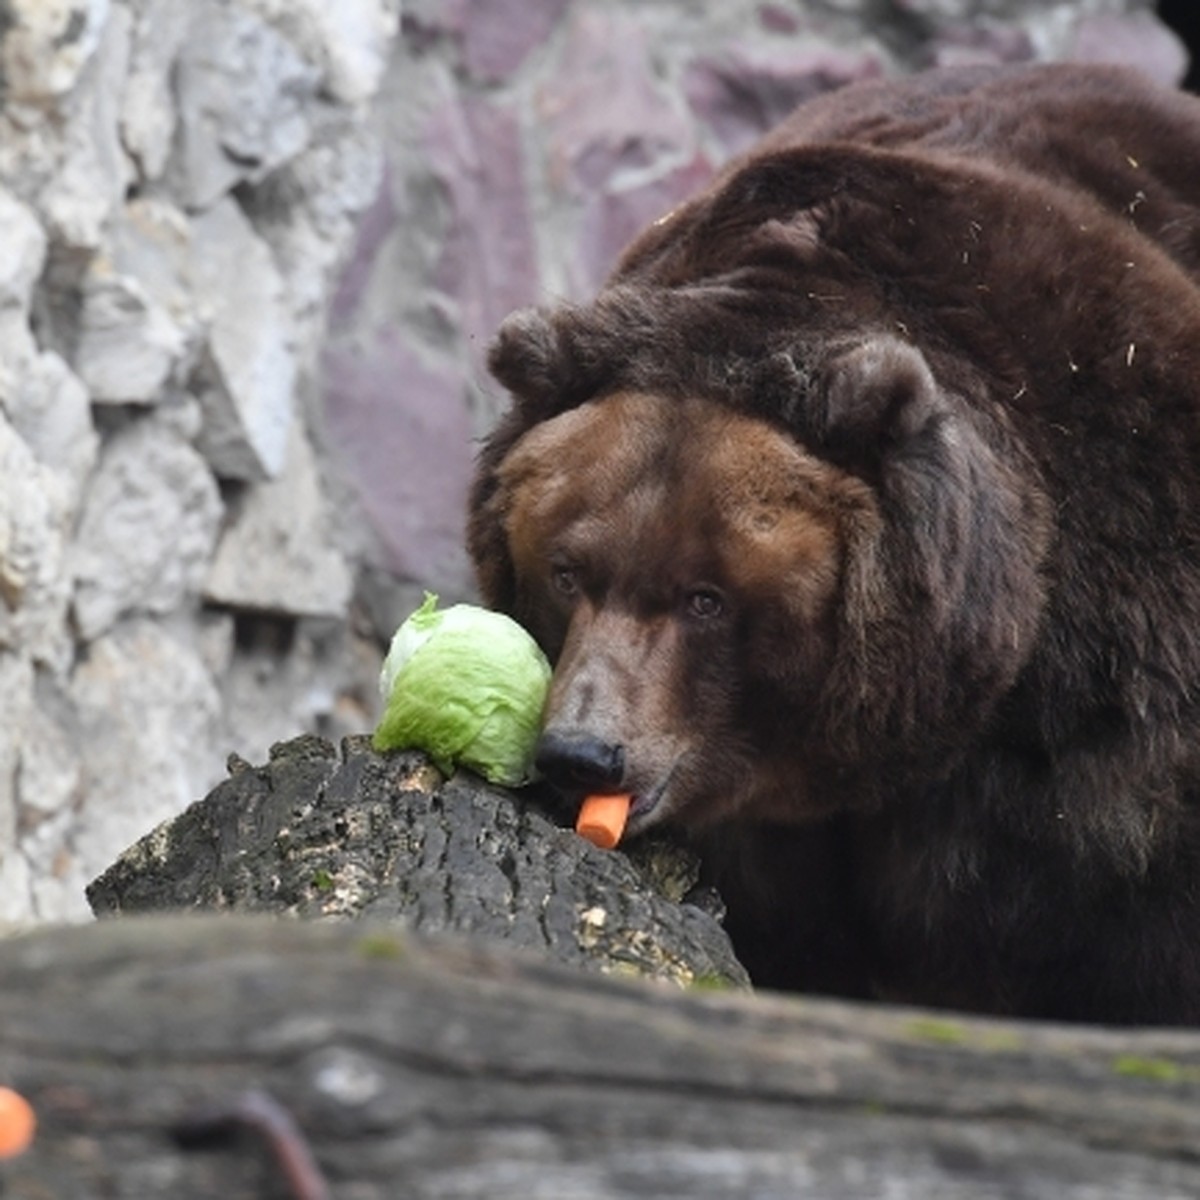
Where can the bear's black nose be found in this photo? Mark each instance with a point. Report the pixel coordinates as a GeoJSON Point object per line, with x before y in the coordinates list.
{"type": "Point", "coordinates": [578, 760]}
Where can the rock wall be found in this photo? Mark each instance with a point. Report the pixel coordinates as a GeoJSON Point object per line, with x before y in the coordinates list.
{"type": "Point", "coordinates": [179, 182]}
{"type": "Point", "coordinates": [255, 249]}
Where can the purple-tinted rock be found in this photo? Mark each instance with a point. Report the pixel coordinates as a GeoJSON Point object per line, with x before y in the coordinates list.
{"type": "Point", "coordinates": [743, 92]}
{"type": "Point", "coordinates": [488, 263]}
{"type": "Point", "coordinates": [940, 10]}
{"type": "Point", "coordinates": [374, 227]}
{"type": "Point", "coordinates": [968, 45]}
{"type": "Point", "coordinates": [1137, 39]}
{"type": "Point", "coordinates": [498, 34]}
{"type": "Point", "coordinates": [601, 111]}
{"type": "Point", "coordinates": [401, 430]}
{"type": "Point", "coordinates": [494, 37]}
{"type": "Point", "coordinates": [613, 219]}
{"type": "Point", "coordinates": [777, 19]}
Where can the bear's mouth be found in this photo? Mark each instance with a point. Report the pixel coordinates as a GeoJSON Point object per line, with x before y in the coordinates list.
{"type": "Point", "coordinates": [646, 802]}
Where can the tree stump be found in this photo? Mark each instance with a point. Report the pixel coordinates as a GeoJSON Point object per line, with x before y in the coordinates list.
{"type": "Point", "coordinates": [323, 832]}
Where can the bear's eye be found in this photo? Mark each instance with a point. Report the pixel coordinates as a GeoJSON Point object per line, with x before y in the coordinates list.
{"type": "Point", "coordinates": [565, 580]}
{"type": "Point", "coordinates": [704, 604]}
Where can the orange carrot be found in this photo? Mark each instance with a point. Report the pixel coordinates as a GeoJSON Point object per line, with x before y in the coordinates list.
{"type": "Point", "coordinates": [602, 819]}
{"type": "Point", "coordinates": [17, 1123]}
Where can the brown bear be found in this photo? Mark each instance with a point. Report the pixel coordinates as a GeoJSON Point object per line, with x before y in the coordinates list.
{"type": "Point", "coordinates": [860, 514]}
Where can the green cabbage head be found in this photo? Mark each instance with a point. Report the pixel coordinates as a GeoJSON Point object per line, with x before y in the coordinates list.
{"type": "Point", "coordinates": [467, 686]}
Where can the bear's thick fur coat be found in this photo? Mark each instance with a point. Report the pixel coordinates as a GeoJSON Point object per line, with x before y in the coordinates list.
{"type": "Point", "coordinates": [882, 457]}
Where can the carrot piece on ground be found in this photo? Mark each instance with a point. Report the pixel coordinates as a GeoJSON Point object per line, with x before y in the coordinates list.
{"type": "Point", "coordinates": [602, 819]}
{"type": "Point", "coordinates": [17, 1123]}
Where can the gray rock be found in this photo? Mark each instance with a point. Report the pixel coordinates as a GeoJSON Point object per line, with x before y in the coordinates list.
{"type": "Point", "coordinates": [16, 686]}
{"type": "Point", "coordinates": [16, 890]}
{"type": "Point", "coordinates": [50, 409]}
{"type": "Point", "coordinates": [248, 368]}
{"type": "Point", "coordinates": [244, 92]}
{"type": "Point", "coordinates": [139, 324]}
{"type": "Point", "coordinates": [151, 244]}
{"type": "Point", "coordinates": [327, 680]}
{"type": "Point", "coordinates": [24, 242]}
{"type": "Point", "coordinates": [49, 790]}
{"type": "Point", "coordinates": [34, 584]}
{"type": "Point", "coordinates": [57, 880]}
{"type": "Point", "coordinates": [316, 833]}
{"type": "Point", "coordinates": [49, 780]}
{"type": "Point", "coordinates": [148, 113]}
{"type": "Point", "coordinates": [149, 525]}
{"type": "Point", "coordinates": [307, 212]}
{"type": "Point", "coordinates": [46, 404]}
{"type": "Point", "coordinates": [349, 42]}
{"type": "Point", "coordinates": [142, 696]}
{"type": "Point", "coordinates": [90, 184]}
{"type": "Point", "coordinates": [277, 553]}
{"type": "Point", "coordinates": [128, 345]}
{"type": "Point", "coordinates": [47, 46]}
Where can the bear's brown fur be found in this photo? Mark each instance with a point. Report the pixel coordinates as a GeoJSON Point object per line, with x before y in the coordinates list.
{"type": "Point", "coordinates": [861, 514]}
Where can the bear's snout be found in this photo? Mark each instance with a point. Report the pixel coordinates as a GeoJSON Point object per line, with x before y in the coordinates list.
{"type": "Point", "coordinates": [572, 760]}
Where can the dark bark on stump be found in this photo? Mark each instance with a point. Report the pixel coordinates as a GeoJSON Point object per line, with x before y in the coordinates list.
{"type": "Point", "coordinates": [319, 832]}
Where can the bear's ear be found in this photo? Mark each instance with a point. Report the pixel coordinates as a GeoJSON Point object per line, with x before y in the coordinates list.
{"type": "Point", "coordinates": [943, 602]}
{"type": "Point", "coordinates": [543, 358]}
{"type": "Point", "coordinates": [871, 395]}
{"type": "Point", "coordinates": [524, 357]}
{"type": "Point", "coordinates": [554, 359]}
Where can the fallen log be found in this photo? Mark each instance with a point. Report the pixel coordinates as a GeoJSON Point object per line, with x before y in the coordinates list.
{"type": "Point", "coordinates": [424, 1066]}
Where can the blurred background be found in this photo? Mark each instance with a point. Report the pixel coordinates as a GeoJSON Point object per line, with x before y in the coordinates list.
{"type": "Point", "coordinates": [255, 250]}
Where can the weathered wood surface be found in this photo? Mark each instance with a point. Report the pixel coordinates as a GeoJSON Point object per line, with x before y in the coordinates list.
{"type": "Point", "coordinates": [430, 1068]}
{"type": "Point", "coordinates": [323, 831]}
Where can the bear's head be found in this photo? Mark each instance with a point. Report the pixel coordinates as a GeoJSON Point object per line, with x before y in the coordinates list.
{"type": "Point", "coordinates": [737, 625]}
